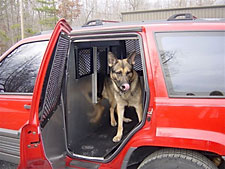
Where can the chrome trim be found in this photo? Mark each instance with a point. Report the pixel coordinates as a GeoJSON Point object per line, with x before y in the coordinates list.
{"type": "Point", "coordinates": [9, 133]}
{"type": "Point", "coordinates": [104, 31]}
{"type": "Point", "coordinates": [14, 93]}
{"type": "Point", "coordinates": [87, 157]}
{"type": "Point", "coordinates": [27, 107]}
{"type": "Point", "coordinates": [99, 38]}
{"type": "Point", "coordinates": [10, 145]}
{"type": "Point", "coordinates": [94, 77]}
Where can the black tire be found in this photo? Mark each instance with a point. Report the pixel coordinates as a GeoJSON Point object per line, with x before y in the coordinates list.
{"type": "Point", "coordinates": [176, 159]}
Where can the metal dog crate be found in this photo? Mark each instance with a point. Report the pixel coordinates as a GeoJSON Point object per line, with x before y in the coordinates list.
{"type": "Point", "coordinates": [83, 137]}
{"type": "Point", "coordinates": [84, 56]}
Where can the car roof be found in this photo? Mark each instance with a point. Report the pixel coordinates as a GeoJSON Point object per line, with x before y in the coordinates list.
{"type": "Point", "coordinates": [113, 27]}
{"type": "Point", "coordinates": [137, 25]}
{"type": "Point", "coordinates": [26, 40]}
{"type": "Point", "coordinates": [147, 22]}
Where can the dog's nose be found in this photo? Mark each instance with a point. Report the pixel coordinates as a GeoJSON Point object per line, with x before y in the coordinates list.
{"type": "Point", "coordinates": [125, 86]}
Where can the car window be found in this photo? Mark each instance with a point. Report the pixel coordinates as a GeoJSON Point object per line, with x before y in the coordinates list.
{"type": "Point", "coordinates": [19, 69]}
{"type": "Point", "coordinates": [193, 62]}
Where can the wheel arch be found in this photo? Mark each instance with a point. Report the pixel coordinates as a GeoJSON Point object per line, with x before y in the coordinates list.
{"type": "Point", "coordinates": [136, 155]}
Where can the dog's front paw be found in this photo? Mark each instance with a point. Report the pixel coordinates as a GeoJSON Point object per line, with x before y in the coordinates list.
{"type": "Point", "coordinates": [113, 123]}
{"type": "Point", "coordinates": [116, 139]}
{"type": "Point", "coordinates": [127, 120]}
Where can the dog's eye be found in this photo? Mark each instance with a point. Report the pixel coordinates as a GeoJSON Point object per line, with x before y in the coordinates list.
{"type": "Point", "coordinates": [118, 72]}
{"type": "Point", "coordinates": [129, 72]}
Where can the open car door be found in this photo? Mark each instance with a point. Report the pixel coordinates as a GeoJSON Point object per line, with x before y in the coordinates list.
{"type": "Point", "coordinates": [46, 97]}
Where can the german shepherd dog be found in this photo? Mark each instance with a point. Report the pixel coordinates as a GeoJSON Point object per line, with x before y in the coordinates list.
{"type": "Point", "coordinates": [122, 89]}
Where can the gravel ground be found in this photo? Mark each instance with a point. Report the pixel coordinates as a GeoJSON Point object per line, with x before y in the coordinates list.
{"type": "Point", "coordinates": [7, 165]}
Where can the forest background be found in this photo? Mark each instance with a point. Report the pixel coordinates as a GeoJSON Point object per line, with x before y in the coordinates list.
{"type": "Point", "coordinates": [42, 15]}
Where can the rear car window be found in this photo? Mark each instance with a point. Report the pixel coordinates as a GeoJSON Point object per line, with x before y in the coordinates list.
{"type": "Point", "coordinates": [19, 69]}
{"type": "Point", "coordinates": [193, 63]}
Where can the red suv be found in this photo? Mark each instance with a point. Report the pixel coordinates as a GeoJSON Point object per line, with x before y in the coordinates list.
{"type": "Point", "coordinates": [49, 88]}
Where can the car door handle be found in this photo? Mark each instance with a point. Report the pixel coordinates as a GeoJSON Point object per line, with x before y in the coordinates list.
{"type": "Point", "coordinates": [27, 107]}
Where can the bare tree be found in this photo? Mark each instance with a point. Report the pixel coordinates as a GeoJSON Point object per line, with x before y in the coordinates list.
{"type": "Point", "coordinates": [69, 9]}
{"type": "Point", "coordinates": [42, 14]}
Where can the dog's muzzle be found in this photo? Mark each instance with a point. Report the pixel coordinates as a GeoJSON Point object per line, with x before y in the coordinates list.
{"type": "Point", "coordinates": [125, 87]}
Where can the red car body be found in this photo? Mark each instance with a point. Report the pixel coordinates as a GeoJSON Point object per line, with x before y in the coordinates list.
{"type": "Point", "coordinates": [12, 105]}
{"type": "Point", "coordinates": [196, 124]}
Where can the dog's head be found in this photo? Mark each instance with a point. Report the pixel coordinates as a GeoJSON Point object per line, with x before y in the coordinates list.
{"type": "Point", "coordinates": [122, 72]}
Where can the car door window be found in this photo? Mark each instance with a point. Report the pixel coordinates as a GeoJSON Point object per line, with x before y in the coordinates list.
{"type": "Point", "coordinates": [193, 63]}
{"type": "Point", "coordinates": [19, 69]}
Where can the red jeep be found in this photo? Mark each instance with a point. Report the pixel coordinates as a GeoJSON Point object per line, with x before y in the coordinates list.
{"type": "Point", "coordinates": [47, 102]}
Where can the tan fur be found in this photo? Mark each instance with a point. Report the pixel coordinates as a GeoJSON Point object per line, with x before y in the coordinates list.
{"type": "Point", "coordinates": [122, 72]}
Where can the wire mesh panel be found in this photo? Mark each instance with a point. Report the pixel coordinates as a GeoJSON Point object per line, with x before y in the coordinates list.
{"type": "Point", "coordinates": [54, 80]}
{"type": "Point", "coordinates": [84, 57]}
{"type": "Point", "coordinates": [133, 45]}
{"type": "Point", "coordinates": [84, 62]}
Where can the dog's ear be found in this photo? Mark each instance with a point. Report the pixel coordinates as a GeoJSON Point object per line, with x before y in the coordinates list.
{"type": "Point", "coordinates": [111, 59]}
{"type": "Point", "coordinates": [131, 58]}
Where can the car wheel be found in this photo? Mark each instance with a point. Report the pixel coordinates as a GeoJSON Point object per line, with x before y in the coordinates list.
{"type": "Point", "coordinates": [176, 159]}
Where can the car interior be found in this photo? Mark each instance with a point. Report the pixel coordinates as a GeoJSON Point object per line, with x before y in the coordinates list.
{"type": "Point", "coordinates": [81, 131]}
